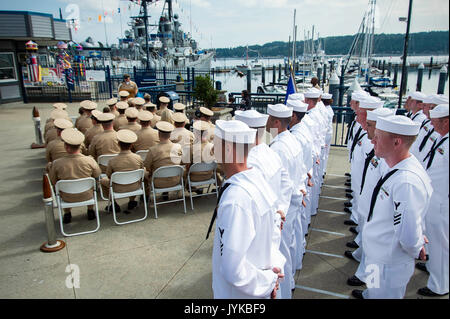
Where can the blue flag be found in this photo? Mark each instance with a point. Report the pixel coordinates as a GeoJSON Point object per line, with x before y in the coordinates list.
{"type": "Point", "coordinates": [291, 87]}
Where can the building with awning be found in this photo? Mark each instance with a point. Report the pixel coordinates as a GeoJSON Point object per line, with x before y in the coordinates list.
{"type": "Point", "coordinates": [17, 28]}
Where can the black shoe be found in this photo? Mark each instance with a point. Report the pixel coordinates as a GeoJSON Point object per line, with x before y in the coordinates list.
{"type": "Point", "coordinates": [165, 196]}
{"type": "Point", "coordinates": [348, 184]}
{"type": "Point", "coordinates": [126, 212]}
{"type": "Point", "coordinates": [423, 267]}
{"type": "Point", "coordinates": [348, 174]}
{"type": "Point", "coordinates": [347, 210]}
{"type": "Point", "coordinates": [348, 190]}
{"type": "Point", "coordinates": [349, 180]}
{"type": "Point", "coordinates": [349, 255]}
{"type": "Point", "coordinates": [91, 214]}
{"type": "Point", "coordinates": [427, 292]}
{"type": "Point", "coordinates": [67, 218]}
{"type": "Point", "coordinates": [350, 222]}
{"type": "Point", "coordinates": [349, 196]}
{"type": "Point", "coordinates": [352, 244]}
{"type": "Point", "coordinates": [358, 294]}
{"type": "Point", "coordinates": [116, 206]}
{"type": "Point", "coordinates": [348, 204]}
{"type": "Point", "coordinates": [354, 281]}
{"type": "Point", "coordinates": [353, 230]}
{"type": "Point", "coordinates": [132, 204]}
{"type": "Point", "coordinates": [306, 235]}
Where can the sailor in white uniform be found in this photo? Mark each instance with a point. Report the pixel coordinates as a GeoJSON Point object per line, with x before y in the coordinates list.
{"type": "Point", "coordinates": [436, 218]}
{"type": "Point", "coordinates": [415, 107]}
{"type": "Point", "coordinates": [327, 99]}
{"type": "Point", "coordinates": [263, 158]}
{"type": "Point", "coordinates": [392, 235]}
{"type": "Point", "coordinates": [243, 262]}
{"type": "Point", "coordinates": [374, 168]}
{"type": "Point", "coordinates": [290, 152]}
{"type": "Point", "coordinates": [427, 134]}
{"type": "Point", "coordinates": [301, 226]}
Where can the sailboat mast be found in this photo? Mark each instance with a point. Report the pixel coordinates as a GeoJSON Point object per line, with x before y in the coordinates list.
{"type": "Point", "coordinates": [294, 38]}
{"type": "Point", "coordinates": [405, 52]}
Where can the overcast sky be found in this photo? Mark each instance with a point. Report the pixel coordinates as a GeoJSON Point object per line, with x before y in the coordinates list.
{"type": "Point", "coordinates": [232, 23]}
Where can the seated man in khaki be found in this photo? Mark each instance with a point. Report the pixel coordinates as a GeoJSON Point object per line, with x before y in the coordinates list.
{"type": "Point", "coordinates": [139, 103]}
{"type": "Point", "coordinates": [97, 128]}
{"type": "Point", "coordinates": [50, 132]}
{"type": "Point", "coordinates": [124, 95]}
{"type": "Point", "coordinates": [131, 113]}
{"type": "Point", "coordinates": [152, 109]}
{"type": "Point", "coordinates": [163, 104]}
{"type": "Point", "coordinates": [206, 115]}
{"type": "Point", "coordinates": [124, 162]}
{"type": "Point", "coordinates": [74, 166]}
{"type": "Point", "coordinates": [179, 107]}
{"type": "Point", "coordinates": [112, 106]}
{"type": "Point", "coordinates": [202, 151]}
{"type": "Point", "coordinates": [106, 142]}
{"type": "Point", "coordinates": [55, 149]}
{"type": "Point", "coordinates": [121, 120]}
{"type": "Point", "coordinates": [84, 122]}
{"type": "Point", "coordinates": [165, 153]}
{"type": "Point", "coordinates": [146, 136]}
{"type": "Point", "coordinates": [182, 136]}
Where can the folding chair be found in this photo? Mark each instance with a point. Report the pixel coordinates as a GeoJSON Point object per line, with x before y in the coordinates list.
{"type": "Point", "coordinates": [76, 186]}
{"type": "Point", "coordinates": [104, 160]}
{"type": "Point", "coordinates": [163, 172]}
{"type": "Point", "coordinates": [55, 202]}
{"type": "Point", "coordinates": [142, 154]}
{"type": "Point", "coordinates": [202, 167]}
{"type": "Point", "coordinates": [126, 178]}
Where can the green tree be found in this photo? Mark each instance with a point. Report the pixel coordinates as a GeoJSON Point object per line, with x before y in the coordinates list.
{"type": "Point", "coordinates": [204, 90]}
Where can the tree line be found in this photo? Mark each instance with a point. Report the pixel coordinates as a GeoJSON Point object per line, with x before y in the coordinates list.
{"type": "Point", "coordinates": [433, 42]}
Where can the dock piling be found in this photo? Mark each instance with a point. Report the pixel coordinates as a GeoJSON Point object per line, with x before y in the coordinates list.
{"type": "Point", "coordinates": [419, 77]}
{"type": "Point", "coordinates": [442, 79]}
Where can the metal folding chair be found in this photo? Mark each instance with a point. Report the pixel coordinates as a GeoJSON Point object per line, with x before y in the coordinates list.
{"type": "Point", "coordinates": [104, 160]}
{"type": "Point", "coordinates": [202, 167]}
{"type": "Point", "coordinates": [142, 154]}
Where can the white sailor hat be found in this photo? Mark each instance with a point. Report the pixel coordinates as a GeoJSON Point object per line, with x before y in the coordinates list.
{"type": "Point", "coordinates": [145, 116]}
{"type": "Point", "coordinates": [105, 117]}
{"type": "Point", "coordinates": [62, 124]}
{"type": "Point", "coordinates": [398, 124]}
{"type": "Point", "coordinates": [419, 96]}
{"type": "Point", "coordinates": [164, 99]}
{"type": "Point", "coordinates": [370, 102]}
{"type": "Point", "coordinates": [126, 136]}
{"type": "Point", "coordinates": [279, 110]}
{"type": "Point", "coordinates": [72, 136]}
{"type": "Point", "coordinates": [297, 105]}
{"type": "Point", "coordinates": [327, 96]}
{"type": "Point", "coordinates": [235, 131]}
{"type": "Point", "coordinates": [111, 101]}
{"type": "Point", "coordinates": [313, 93]}
{"type": "Point", "coordinates": [440, 99]}
{"type": "Point", "coordinates": [131, 112]}
{"type": "Point", "coordinates": [252, 118]}
{"type": "Point", "coordinates": [379, 112]}
{"type": "Point", "coordinates": [206, 111]}
{"type": "Point", "coordinates": [359, 95]}
{"type": "Point", "coordinates": [439, 111]}
{"type": "Point", "coordinates": [296, 96]}
{"type": "Point", "coordinates": [124, 93]}
{"type": "Point", "coordinates": [138, 101]}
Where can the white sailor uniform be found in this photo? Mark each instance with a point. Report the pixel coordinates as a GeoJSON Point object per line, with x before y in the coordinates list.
{"type": "Point", "coordinates": [242, 252]}
{"type": "Point", "coordinates": [392, 235]}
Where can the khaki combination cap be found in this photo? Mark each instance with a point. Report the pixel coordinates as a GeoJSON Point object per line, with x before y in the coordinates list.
{"type": "Point", "coordinates": [150, 104]}
{"type": "Point", "coordinates": [124, 93]}
{"type": "Point", "coordinates": [164, 99]}
{"type": "Point", "coordinates": [145, 116]}
{"type": "Point", "coordinates": [131, 112]}
{"type": "Point", "coordinates": [88, 105]}
{"type": "Point", "coordinates": [111, 102]}
{"type": "Point", "coordinates": [60, 106]}
{"type": "Point", "coordinates": [72, 136]}
{"type": "Point", "coordinates": [179, 117]}
{"type": "Point", "coordinates": [179, 106]}
{"type": "Point", "coordinates": [201, 125]}
{"type": "Point", "coordinates": [165, 127]}
{"type": "Point", "coordinates": [105, 117]}
{"type": "Point", "coordinates": [122, 105]}
{"type": "Point", "coordinates": [62, 124]}
{"type": "Point", "coordinates": [126, 136]}
{"type": "Point", "coordinates": [96, 113]}
{"type": "Point", "coordinates": [206, 111]}
{"type": "Point", "coordinates": [58, 114]}
{"type": "Point", "coordinates": [138, 101]}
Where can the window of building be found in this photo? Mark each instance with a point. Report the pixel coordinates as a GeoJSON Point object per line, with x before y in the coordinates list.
{"type": "Point", "coordinates": [7, 67]}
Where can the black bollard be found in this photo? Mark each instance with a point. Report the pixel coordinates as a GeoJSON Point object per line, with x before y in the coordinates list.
{"type": "Point", "coordinates": [279, 72]}
{"type": "Point", "coordinates": [249, 81]}
{"type": "Point", "coordinates": [442, 78]}
{"type": "Point", "coordinates": [419, 77]}
{"type": "Point", "coordinates": [324, 77]}
{"type": "Point", "coordinates": [263, 76]}
{"type": "Point", "coordinates": [341, 86]}
{"type": "Point", "coordinates": [274, 71]}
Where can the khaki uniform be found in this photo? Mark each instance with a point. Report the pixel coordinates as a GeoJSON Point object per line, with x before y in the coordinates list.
{"type": "Point", "coordinates": [50, 135]}
{"type": "Point", "coordinates": [130, 88]}
{"type": "Point", "coordinates": [156, 118]}
{"type": "Point", "coordinates": [74, 166]}
{"type": "Point", "coordinates": [116, 113]}
{"type": "Point", "coordinates": [185, 138]}
{"type": "Point", "coordinates": [55, 149]}
{"type": "Point", "coordinates": [83, 123]}
{"type": "Point", "coordinates": [201, 153]}
{"type": "Point", "coordinates": [124, 162]}
{"type": "Point", "coordinates": [48, 125]}
{"type": "Point", "coordinates": [159, 112]}
{"type": "Point", "coordinates": [121, 120]}
{"type": "Point", "coordinates": [163, 154]}
{"type": "Point", "coordinates": [104, 143]}
{"type": "Point", "coordinates": [90, 133]}
{"type": "Point", "coordinates": [147, 137]}
{"type": "Point", "coordinates": [132, 126]}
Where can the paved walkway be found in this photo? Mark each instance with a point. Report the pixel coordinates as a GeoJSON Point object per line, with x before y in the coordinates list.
{"type": "Point", "coordinates": [166, 257]}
